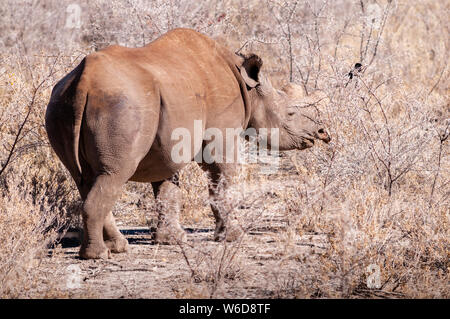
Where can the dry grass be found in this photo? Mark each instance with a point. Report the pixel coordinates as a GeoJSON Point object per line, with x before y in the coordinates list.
{"type": "Point", "coordinates": [378, 194]}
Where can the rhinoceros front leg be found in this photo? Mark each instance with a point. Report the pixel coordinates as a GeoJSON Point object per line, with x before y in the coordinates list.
{"type": "Point", "coordinates": [220, 179]}
{"type": "Point", "coordinates": [169, 203]}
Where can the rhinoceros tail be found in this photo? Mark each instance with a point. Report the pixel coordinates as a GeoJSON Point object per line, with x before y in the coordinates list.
{"type": "Point", "coordinates": [79, 106]}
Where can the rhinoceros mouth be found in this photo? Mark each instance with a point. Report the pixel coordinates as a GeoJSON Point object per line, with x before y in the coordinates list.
{"type": "Point", "coordinates": [309, 141]}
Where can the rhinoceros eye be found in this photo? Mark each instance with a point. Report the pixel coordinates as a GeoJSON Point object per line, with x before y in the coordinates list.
{"type": "Point", "coordinates": [291, 113]}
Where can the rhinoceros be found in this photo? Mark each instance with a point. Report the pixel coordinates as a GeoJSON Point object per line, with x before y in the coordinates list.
{"type": "Point", "coordinates": [110, 120]}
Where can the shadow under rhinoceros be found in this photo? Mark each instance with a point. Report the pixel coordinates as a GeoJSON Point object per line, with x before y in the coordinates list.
{"type": "Point", "coordinates": [135, 235]}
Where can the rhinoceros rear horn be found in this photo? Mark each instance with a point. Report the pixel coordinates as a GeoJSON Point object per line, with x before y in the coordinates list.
{"type": "Point", "coordinates": [250, 69]}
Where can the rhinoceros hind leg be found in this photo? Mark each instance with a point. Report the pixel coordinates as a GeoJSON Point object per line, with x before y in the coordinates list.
{"type": "Point", "coordinates": [97, 205]}
{"type": "Point", "coordinates": [114, 240]}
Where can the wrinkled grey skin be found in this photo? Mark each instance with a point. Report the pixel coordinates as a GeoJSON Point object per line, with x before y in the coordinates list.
{"type": "Point", "coordinates": [110, 121]}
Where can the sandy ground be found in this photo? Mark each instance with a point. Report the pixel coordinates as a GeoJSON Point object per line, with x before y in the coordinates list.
{"type": "Point", "coordinates": [150, 270]}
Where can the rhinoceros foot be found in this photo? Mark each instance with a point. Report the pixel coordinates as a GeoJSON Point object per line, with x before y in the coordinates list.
{"type": "Point", "coordinates": [232, 232]}
{"type": "Point", "coordinates": [118, 244]}
{"type": "Point", "coordinates": [170, 233]}
{"type": "Point", "coordinates": [95, 252]}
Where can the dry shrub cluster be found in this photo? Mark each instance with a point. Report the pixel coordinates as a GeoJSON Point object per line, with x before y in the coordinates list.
{"type": "Point", "coordinates": [378, 194]}
{"type": "Point", "coordinates": [37, 199]}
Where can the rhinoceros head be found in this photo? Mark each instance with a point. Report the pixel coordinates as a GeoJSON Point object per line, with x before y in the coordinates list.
{"type": "Point", "coordinates": [289, 109]}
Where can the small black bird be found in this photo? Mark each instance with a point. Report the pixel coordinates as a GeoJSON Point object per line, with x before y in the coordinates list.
{"type": "Point", "coordinates": [358, 68]}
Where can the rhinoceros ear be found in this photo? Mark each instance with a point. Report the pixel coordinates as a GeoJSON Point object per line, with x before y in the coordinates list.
{"type": "Point", "coordinates": [250, 69]}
